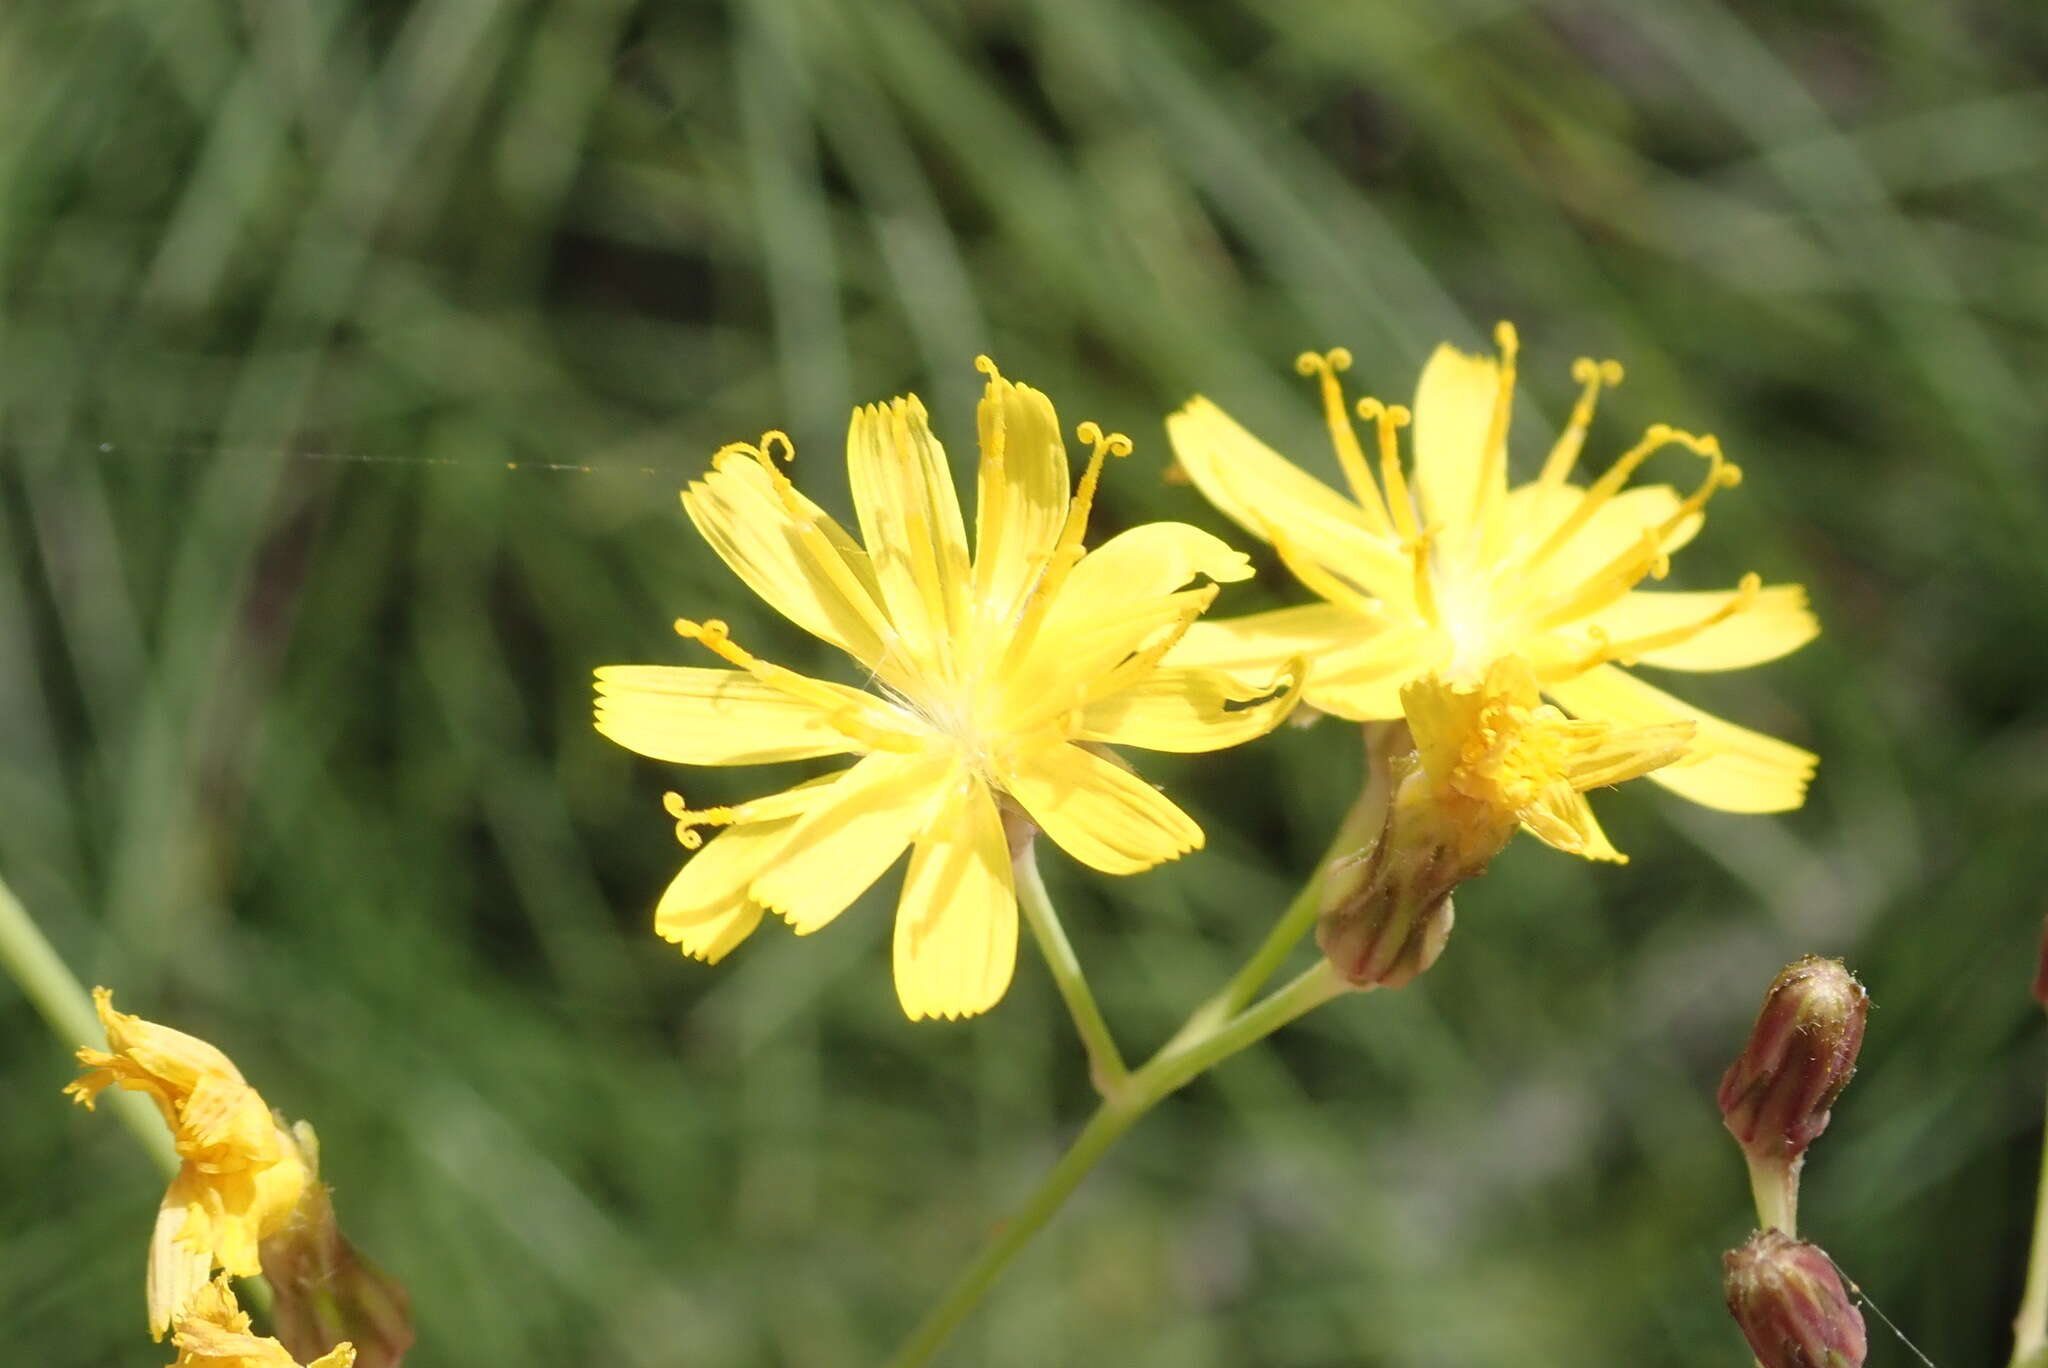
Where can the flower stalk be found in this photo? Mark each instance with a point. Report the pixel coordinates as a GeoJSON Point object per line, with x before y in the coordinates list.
{"type": "Point", "coordinates": [1184, 1058]}
{"type": "Point", "coordinates": [2030, 1326]}
{"type": "Point", "coordinates": [1106, 1067]}
{"type": "Point", "coordinates": [61, 1000]}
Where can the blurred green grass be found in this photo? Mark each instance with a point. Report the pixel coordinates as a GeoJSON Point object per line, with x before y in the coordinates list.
{"type": "Point", "coordinates": [297, 752]}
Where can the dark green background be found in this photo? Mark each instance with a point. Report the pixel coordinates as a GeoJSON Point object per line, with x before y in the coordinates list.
{"type": "Point", "coordinates": [294, 739]}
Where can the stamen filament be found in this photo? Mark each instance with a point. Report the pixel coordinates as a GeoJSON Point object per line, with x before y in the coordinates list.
{"type": "Point", "coordinates": [1565, 453]}
{"type": "Point", "coordinates": [1060, 561]}
{"type": "Point", "coordinates": [1493, 470]}
{"type": "Point", "coordinates": [1655, 438]}
{"type": "Point", "coordinates": [1388, 418]}
{"type": "Point", "coordinates": [1721, 474]}
{"type": "Point", "coordinates": [840, 714]}
{"type": "Point", "coordinates": [1425, 590]}
{"type": "Point", "coordinates": [1313, 576]}
{"type": "Point", "coordinates": [1344, 437]}
{"type": "Point", "coordinates": [767, 808]}
{"type": "Point", "coordinates": [1608, 583]}
{"type": "Point", "coordinates": [1629, 651]}
{"type": "Point", "coordinates": [1140, 663]}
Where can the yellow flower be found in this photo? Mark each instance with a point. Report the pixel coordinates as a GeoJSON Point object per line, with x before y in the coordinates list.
{"type": "Point", "coordinates": [214, 1332]}
{"type": "Point", "coordinates": [1468, 570]}
{"type": "Point", "coordinates": [992, 683]}
{"type": "Point", "coordinates": [241, 1173]}
{"type": "Point", "coordinates": [1496, 755]}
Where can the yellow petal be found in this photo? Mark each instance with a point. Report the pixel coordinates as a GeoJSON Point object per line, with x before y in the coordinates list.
{"type": "Point", "coordinates": [225, 1121]}
{"type": "Point", "coordinates": [793, 554]}
{"type": "Point", "coordinates": [910, 520]}
{"type": "Point", "coordinates": [1153, 559]}
{"type": "Point", "coordinates": [1022, 502]}
{"type": "Point", "coordinates": [1453, 414]}
{"type": "Point", "coordinates": [1562, 817]}
{"type": "Point", "coordinates": [1617, 526]}
{"type": "Point", "coordinates": [858, 827]}
{"type": "Point", "coordinates": [1776, 623]}
{"type": "Point", "coordinates": [694, 716]}
{"type": "Point", "coordinates": [1362, 682]}
{"type": "Point", "coordinates": [1101, 814]}
{"type": "Point", "coordinates": [152, 1058]}
{"type": "Point", "coordinates": [1187, 710]}
{"type": "Point", "coordinates": [956, 927]}
{"type": "Point", "coordinates": [1599, 755]}
{"type": "Point", "coordinates": [705, 909]}
{"type": "Point", "coordinates": [1261, 491]}
{"type": "Point", "coordinates": [1727, 767]}
{"type": "Point", "coordinates": [1254, 647]}
{"type": "Point", "coordinates": [177, 1270]}
{"type": "Point", "coordinates": [1081, 642]}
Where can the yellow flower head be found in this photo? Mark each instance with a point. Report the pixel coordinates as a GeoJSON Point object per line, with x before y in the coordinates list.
{"type": "Point", "coordinates": [1496, 756]}
{"type": "Point", "coordinates": [241, 1173]}
{"type": "Point", "coordinates": [1465, 571]}
{"type": "Point", "coordinates": [990, 681]}
{"type": "Point", "coordinates": [214, 1332]}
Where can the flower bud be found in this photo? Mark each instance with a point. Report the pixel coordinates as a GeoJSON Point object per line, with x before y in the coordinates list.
{"type": "Point", "coordinates": [1385, 920]}
{"type": "Point", "coordinates": [327, 1292]}
{"type": "Point", "coordinates": [1791, 1305]}
{"type": "Point", "coordinates": [1801, 1053]}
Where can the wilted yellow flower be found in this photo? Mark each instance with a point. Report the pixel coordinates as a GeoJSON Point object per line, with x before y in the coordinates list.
{"type": "Point", "coordinates": [988, 683]}
{"type": "Point", "coordinates": [1468, 570]}
{"type": "Point", "coordinates": [241, 1173]}
{"type": "Point", "coordinates": [1489, 756]}
{"type": "Point", "coordinates": [214, 1332]}
{"type": "Point", "coordinates": [1497, 755]}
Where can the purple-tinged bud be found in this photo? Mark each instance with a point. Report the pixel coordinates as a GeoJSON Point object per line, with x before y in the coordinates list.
{"type": "Point", "coordinates": [1801, 1053]}
{"type": "Point", "coordinates": [1386, 918]}
{"type": "Point", "coordinates": [2041, 968]}
{"type": "Point", "coordinates": [326, 1292]}
{"type": "Point", "coordinates": [1791, 1305]}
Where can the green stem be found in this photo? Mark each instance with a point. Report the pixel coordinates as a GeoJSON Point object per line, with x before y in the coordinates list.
{"type": "Point", "coordinates": [61, 999]}
{"type": "Point", "coordinates": [1775, 1187]}
{"type": "Point", "coordinates": [1177, 1063]}
{"type": "Point", "coordinates": [1106, 1067]}
{"type": "Point", "coordinates": [2030, 1327]}
{"type": "Point", "coordinates": [1359, 829]}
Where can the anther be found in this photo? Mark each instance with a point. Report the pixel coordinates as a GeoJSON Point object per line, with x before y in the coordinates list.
{"type": "Point", "coordinates": [1115, 443]}
{"type": "Point", "coordinates": [1565, 453]}
{"type": "Point", "coordinates": [688, 821]}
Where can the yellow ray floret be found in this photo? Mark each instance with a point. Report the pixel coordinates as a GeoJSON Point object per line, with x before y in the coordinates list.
{"type": "Point", "coordinates": [214, 1332]}
{"type": "Point", "coordinates": [1447, 568]}
{"type": "Point", "coordinates": [240, 1172]}
{"type": "Point", "coordinates": [994, 681]}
